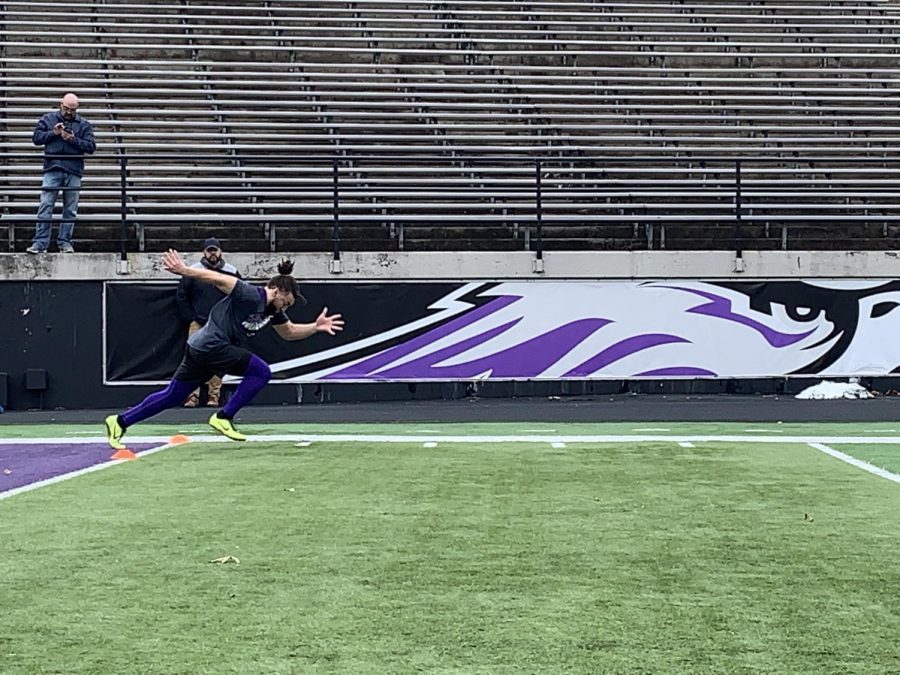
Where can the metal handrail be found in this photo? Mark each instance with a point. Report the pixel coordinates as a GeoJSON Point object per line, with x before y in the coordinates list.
{"type": "Point", "coordinates": [542, 163]}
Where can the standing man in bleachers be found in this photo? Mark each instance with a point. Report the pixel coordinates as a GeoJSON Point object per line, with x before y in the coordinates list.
{"type": "Point", "coordinates": [61, 132]}
{"type": "Point", "coordinates": [195, 300]}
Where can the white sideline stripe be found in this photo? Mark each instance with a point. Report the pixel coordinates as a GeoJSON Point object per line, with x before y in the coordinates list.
{"type": "Point", "coordinates": [418, 438]}
{"type": "Point", "coordinates": [819, 443]}
{"type": "Point", "coordinates": [81, 441]}
{"type": "Point", "coordinates": [396, 438]}
{"type": "Point", "coordinates": [686, 444]}
{"type": "Point", "coordinates": [75, 474]}
{"type": "Point", "coordinates": [858, 463]}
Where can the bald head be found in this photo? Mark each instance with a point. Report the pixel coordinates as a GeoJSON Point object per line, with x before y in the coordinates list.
{"type": "Point", "coordinates": [68, 106]}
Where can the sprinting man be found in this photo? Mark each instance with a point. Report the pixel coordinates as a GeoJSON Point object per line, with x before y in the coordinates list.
{"type": "Point", "coordinates": [214, 350]}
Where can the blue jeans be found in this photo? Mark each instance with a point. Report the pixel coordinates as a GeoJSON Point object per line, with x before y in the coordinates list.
{"type": "Point", "coordinates": [53, 181]}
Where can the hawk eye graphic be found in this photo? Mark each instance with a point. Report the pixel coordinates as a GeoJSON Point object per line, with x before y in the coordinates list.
{"type": "Point", "coordinates": [804, 314]}
{"type": "Point", "coordinates": [798, 314]}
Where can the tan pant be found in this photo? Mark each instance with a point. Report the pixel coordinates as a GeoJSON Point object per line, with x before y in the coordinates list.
{"type": "Point", "coordinates": [214, 386]}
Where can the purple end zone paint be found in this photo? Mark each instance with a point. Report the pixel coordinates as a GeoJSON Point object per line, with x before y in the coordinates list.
{"type": "Point", "coordinates": [32, 462]}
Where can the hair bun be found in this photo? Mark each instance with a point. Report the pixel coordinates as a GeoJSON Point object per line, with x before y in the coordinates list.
{"type": "Point", "coordinates": [286, 267]}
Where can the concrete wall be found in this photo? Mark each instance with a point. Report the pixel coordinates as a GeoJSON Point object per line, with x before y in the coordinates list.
{"type": "Point", "coordinates": [50, 310]}
{"type": "Point", "coordinates": [480, 265]}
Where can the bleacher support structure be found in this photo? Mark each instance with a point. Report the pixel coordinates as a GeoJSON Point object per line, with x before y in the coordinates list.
{"type": "Point", "coordinates": [429, 123]}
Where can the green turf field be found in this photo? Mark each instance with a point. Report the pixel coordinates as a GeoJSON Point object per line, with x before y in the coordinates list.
{"type": "Point", "coordinates": [515, 557]}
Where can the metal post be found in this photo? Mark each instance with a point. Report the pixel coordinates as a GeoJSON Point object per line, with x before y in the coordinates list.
{"type": "Point", "coordinates": [123, 213]}
{"type": "Point", "coordinates": [738, 234]}
{"type": "Point", "coordinates": [336, 231]}
{"type": "Point", "coordinates": [539, 224]}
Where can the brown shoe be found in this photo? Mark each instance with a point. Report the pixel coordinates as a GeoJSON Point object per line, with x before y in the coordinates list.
{"type": "Point", "coordinates": [212, 403]}
{"type": "Point", "coordinates": [192, 401]}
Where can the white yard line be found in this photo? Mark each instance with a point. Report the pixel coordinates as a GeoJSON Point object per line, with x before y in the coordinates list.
{"type": "Point", "coordinates": [858, 463]}
{"type": "Point", "coordinates": [75, 474]}
{"type": "Point", "coordinates": [599, 438]}
{"type": "Point", "coordinates": [81, 441]}
{"type": "Point", "coordinates": [686, 444]}
{"type": "Point", "coordinates": [421, 438]}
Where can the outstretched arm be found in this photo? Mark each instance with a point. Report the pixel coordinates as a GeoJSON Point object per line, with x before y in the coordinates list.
{"type": "Point", "coordinates": [174, 264]}
{"type": "Point", "coordinates": [326, 323]}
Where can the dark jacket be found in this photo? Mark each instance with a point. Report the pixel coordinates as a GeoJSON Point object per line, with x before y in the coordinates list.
{"type": "Point", "coordinates": [196, 298]}
{"type": "Point", "coordinates": [82, 144]}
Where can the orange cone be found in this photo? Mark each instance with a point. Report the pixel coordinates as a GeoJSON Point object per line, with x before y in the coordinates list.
{"type": "Point", "coordinates": [179, 439]}
{"type": "Point", "coordinates": [124, 453]}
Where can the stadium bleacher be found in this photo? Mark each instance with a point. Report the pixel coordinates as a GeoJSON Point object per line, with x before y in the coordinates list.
{"type": "Point", "coordinates": [432, 120]}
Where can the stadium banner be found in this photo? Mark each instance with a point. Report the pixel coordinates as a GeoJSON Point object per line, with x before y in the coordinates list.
{"type": "Point", "coordinates": [543, 330]}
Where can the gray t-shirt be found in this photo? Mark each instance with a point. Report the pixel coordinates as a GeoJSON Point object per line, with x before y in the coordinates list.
{"type": "Point", "coordinates": [238, 315]}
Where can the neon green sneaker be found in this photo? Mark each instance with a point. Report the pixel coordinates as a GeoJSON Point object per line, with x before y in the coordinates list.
{"type": "Point", "coordinates": [226, 428]}
{"type": "Point", "coordinates": [114, 432]}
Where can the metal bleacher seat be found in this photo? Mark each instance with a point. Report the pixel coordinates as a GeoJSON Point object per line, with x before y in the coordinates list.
{"type": "Point", "coordinates": [228, 112]}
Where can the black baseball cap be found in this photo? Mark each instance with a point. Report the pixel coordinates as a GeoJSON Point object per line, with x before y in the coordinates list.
{"type": "Point", "coordinates": [212, 242]}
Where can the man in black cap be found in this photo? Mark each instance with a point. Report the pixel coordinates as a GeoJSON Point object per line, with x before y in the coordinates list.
{"type": "Point", "coordinates": [195, 300]}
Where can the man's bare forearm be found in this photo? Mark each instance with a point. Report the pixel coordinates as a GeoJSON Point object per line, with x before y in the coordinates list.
{"type": "Point", "coordinates": [300, 331]}
{"type": "Point", "coordinates": [224, 282]}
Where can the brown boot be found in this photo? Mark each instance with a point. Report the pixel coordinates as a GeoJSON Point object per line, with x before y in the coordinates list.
{"type": "Point", "coordinates": [192, 401]}
{"type": "Point", "coordinates": [212, 394]}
